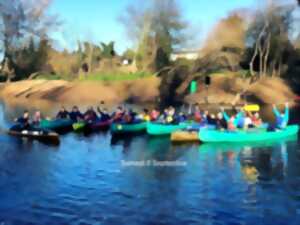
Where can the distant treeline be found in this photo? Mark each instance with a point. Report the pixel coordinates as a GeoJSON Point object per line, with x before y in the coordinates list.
{"type": "Point", "coordinates": [258, 42]}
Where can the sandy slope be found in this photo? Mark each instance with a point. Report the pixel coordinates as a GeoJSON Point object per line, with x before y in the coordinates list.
{"type": "Point", "coordinates": [65, 92]}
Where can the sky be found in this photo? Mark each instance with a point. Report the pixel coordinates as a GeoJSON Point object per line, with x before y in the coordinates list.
{"type": "Point", "coordinates": [98, 20]}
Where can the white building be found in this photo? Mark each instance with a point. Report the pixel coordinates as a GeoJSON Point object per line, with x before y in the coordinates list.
{"type": "Point", "coordinates": [185, 54]}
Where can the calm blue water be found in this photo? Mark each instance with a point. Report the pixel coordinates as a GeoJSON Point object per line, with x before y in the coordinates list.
{"type": "Point", "coordinates": [94, 180]}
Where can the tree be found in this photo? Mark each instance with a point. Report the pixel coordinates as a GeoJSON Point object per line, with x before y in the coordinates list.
{"type": "Point", "coordinates": [108, 50]}
{"type": "Point", "coordinates": [268, 38]}
{"type": "Point", "coordinates": [20, 20]}
{"type": "Point", "coordinates": [156, 30]}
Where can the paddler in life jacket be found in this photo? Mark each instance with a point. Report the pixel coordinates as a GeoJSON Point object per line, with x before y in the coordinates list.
{"type": "Point", "coordinates": [197, 114]}
{"type": "Point", "coordinates": [170, 115]}
{"type": "Point", "coordinates": [282, 119]}
{"type": "Point", "coordinates": [256, 120]}
{"type": "Point", "coordinates": [24, 121]}
{"type": "Point", "coordinates": [232, 121]}
{"type": "Point", "coordinates": [104, 115]}
{"type": "Point", "coordinates": [154, 115]}
{"type": "Point", "coordinates": [90, 115]}
{"type": "Point", "coordinates": [144, 116]}
{"type": "Point", "coordinates": [221, 123]}
{"type": "Point", "coordinates": [118, 114]}
{"type": "Point", "coordinates": [37, 117]}
{"type": "Point", "coordinates": [62, 113]}
{"type": "Point", "coordinates": [75, 115]}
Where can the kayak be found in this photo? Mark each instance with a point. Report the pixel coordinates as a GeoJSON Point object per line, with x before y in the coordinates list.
{"type": "Point", "coordinates": [123, 128]}
{"type": "Point", "coordinates": [36, 134]}
{"type": "Point", "coordinates": [251, 135]}
{"type": "Point", "coordinates": [185, 136]}
{"type": "Point", "coordinates": [98, 125]}
{"type": "Point", "coordinates": [57, 124]}
{"type": "Point", "coordinates": [91, 127]}
{"type": "Point", "coordinates": [237, 146]}
{"type": "Point", "coordinates": [190, 133]}
{"type": "Point", "coordinates": [79, 126]}
{"type": "Point", "coordinates": [164, 129]}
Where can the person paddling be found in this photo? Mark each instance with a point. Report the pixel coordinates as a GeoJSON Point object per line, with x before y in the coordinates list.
{"type": "Point", "coordinates": [90, 115]}
{"type": "Point", "coordinates": [37, 118]}
{"type": "Point", "coordinates": [62, 113]}
{"type": "Point", "coordinates": [118, 114]}
{"type": "Point", "coordinates": [154, 115]}
{"type": "Point", "coordinates": [104, 115]}
{"type": "Point", "coordinates": [221, 123]}
{"type": "Point", "coordinates": [282, 119]}
{"type": "Point", "coordinates": [75, 115]}
{"type": "Point", "coordinates": [232, 121]}
{"type": "Point", "coordinates": [24, 121]}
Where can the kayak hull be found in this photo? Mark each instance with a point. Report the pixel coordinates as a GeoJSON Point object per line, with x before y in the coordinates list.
{"type": "Point", "coordinates": [58, 125]}
{"type": "Point", "coordinates": [91, 127]}
{"type": "Point", "coordinates": [185, 136]}
{"type": "Point", "coordinates": [79, 126]}
{"type": "Point", "coordinates": [157, 129]}
{"type": "Point", "coordinates": [99, 126]}
{"type": "Point", "coordinates": [121, 128]}
{"type": "Point", "coordinates": [45, 137]}
{"type": "Point", "coordinates": [246, 136]}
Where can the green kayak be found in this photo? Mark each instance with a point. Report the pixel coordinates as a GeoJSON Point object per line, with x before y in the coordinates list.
{"type": "Point", "coordinates": [57, 124]}
{"type": "Point", "coordinates": [123, 128]}
{"type": "Point", "coordinates": [79, 126]}
{"type": "Point", "coordinates": [164, 129]}
{"type": "Point", "coordinates": [247, 135]}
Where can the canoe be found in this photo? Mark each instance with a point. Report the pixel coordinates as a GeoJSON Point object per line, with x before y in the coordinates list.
{"type": "Point", "coordinates": [79, 126]}
{"type": "Point", "coordinates": [237, 146]}
{"type": "Point", "coordinates": [91, 127]}
{"type": "Point", "coordinates": [57, 124]}
{"type": "Point", "coordinates": [156, 129]}
{"type": "Point", "coordinates": [251, 135]}
{"type": "Point", "coordinates": [185, 136]}
{"type": "Point", "coordinates": [36, 134]}
{"type": "Point", "coordinates": [123, 128]}
{"type": "Point", "coordinates": [98, 125]}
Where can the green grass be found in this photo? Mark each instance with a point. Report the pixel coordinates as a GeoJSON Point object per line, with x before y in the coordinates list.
{"type": "Point", "coordinates": [97, 76]}
{"type": "Point", "coordinates": [115, 76]}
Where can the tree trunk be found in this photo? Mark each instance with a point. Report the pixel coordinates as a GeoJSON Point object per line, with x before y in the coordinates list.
{"type": "Point", "coordinates": [252, 60]}
{"type": "Point", "coordinates": [261, 54]}
{"type": "Point", "coordinates": [267, 55]}
{"type": "Point", "coordinates": [257, 47]}
{"type": "Point", "coordinates": [91, 53]}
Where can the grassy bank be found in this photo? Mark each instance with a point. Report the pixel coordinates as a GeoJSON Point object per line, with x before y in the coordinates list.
{"type": "Point", "coordinates": [109, 76]}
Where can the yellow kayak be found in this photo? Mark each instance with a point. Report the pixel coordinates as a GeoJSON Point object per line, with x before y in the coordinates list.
{"type": "Point", "coordinates": [185, 136]}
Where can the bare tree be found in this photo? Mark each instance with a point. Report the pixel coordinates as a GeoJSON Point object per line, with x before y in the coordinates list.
{"type": "Point", "coordinates": [156, 27]}
{"type": "Point", "coordinates": [19, 20]}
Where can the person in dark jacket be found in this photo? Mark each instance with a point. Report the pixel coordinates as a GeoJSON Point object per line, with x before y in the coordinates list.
{"type": "Point", "coordinates": [104, 115]}
{"type": "Point", "coordinates": [221, 123]}
{"type": "Point", "coordinates": [90, 115]}
{"type": "Point", "coordinates": [23, 122]}
{"type": "Point", "coordinates": [75, 115]}
{"type": "Point", "coordinates": [62, 113]}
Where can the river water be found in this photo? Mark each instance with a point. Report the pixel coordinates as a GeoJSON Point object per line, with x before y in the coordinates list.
{"type": "Point", "coordinates": [142, 180]}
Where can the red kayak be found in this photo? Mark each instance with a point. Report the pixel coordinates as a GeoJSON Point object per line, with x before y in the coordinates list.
{"type": "Point", "coordinates": [98, 125]}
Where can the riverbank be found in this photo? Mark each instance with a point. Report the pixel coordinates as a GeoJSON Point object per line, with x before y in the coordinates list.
{"type": "Point", "coordinates": [139, 91]}
{"type": "Point", "coordinates": [224, 90]}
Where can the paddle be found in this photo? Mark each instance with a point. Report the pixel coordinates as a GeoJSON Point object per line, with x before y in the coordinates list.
{"type": "Point", "coordinates": [251, 108]}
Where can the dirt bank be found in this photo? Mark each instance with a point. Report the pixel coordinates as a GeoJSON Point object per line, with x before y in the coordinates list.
{"type": "Point", "coordinates": [223, 90]}
{"type": "Point", "coordinates": [226, 89]}
{"type": "Point", "coordinates": [81, 93]}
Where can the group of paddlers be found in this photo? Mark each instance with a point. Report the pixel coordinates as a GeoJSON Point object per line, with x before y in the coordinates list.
{"type": "Point", "coordinates": [240, 119]}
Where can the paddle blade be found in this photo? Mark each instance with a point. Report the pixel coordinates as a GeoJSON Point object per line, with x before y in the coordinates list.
{"type": "Point", "coordinates": [251, 108]}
